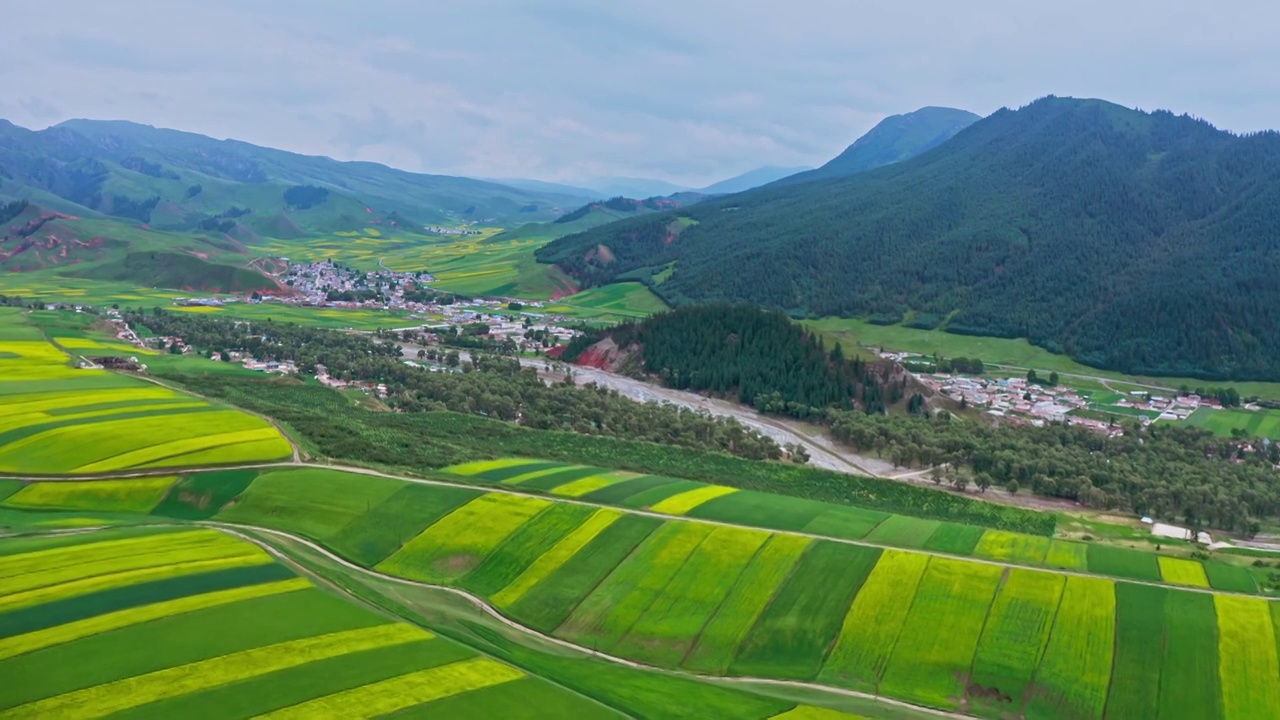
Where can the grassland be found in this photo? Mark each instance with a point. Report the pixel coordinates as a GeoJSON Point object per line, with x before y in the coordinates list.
{"type": "Point", "coordinates": [59, 419]}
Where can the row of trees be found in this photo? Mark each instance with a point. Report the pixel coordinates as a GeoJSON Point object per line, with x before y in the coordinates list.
{"type": "Point", "coordinates": [1168, 471]}
{"type": "Point", "coordinates": [488, 386]}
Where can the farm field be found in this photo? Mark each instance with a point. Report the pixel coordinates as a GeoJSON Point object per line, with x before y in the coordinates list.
{"type": "Point", "coordinates": [1257, 423]}
{"type": "Point", "coordinates": [940, 631]}
{"type": "Point", "coordinates": [671, 496]}
{"type": "Point", "coordinates": [60, 419]}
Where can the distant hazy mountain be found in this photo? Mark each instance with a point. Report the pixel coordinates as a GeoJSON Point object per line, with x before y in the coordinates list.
{"type": "Point", "coordinates": [1142, 242]}
{"type": "Point", "coordinates": [542, 186]}
{"type": "Point", "coordinates": [751, 179]}
{"type": "Point", "coordinates": [633, 187]}
{"type": "Point", "coordinates": [894, 139]}
{"type": "Point", "coordinates": [179, 180]}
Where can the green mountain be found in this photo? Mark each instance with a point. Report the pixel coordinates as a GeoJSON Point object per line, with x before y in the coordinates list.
{"type": "Point", "coordinates": [894, 139]}
{"type": "Point", "coordinates": [1142, 242]}
{"type": "Point", "coordinates": [182, 181]}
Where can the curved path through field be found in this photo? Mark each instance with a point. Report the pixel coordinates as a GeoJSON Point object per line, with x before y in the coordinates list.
{"type": "Point", "coordinates": [506, 490]}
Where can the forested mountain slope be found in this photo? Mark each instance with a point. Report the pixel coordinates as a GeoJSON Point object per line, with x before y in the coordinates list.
{"type": "Point", "coordinates": [1141, 242]}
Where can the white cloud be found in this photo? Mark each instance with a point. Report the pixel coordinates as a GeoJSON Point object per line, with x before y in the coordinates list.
{"type": "Point", "coordinates": [688, 90]}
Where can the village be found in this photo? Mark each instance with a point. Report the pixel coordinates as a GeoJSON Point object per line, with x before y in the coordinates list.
{"type": "Point", "coordinates": [1036, 401]}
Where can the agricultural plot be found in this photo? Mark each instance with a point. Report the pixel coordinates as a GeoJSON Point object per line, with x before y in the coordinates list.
{"type": "Point", "coordinates": [1248, 668]}
{"type": "Point", "coordinates": [222, 632]}
{"type": "Point", "coordinates": [875, 619]}
{"type": "Point", "coordinates": [756, 585]}
{"type": "Point", "coordinates": [954, 539]}
{"type": "Point", "coordinates": [935, 649]}
{"type": "Point", "coordinates": [1190, 685]}
{"type": "Point", "coordinates": [792, 636]}
{"type": "Point", "coordinates": [1231, 578]}
{"type": "Point", "coordinates": [371, 537]}
{"type": "Point", "coordinates": [1014, 638]}
{"type": "Point", "coordinates": [529, 541]}
{"type": "Point", "coordinates": [458, 542]}
{"type": "Point", "coordinates": [685, 502]}
{"type": "Point", "coordinates": [555, 556]}
{"type": "Point", "coordinates": [750, 507]}
{"type": "Point", "coordinates": [608, 613]}
{"type": "Point", "coordinates": [1067, 555]}
{"type": "Point", "coordinates": [1139, 653]}
{"type": "Point", "coordinates": [592, 483]}
{"type": "Point", "coordinates": [1012, 547]}
{"type": "Point", "coordinates": [1123, 562]}
{"type": "Point", "coordinates": [59, 419]}
{"type": "Point", "coordinates": [904, 531]}
{"type": "Point", "coordinates": [666, 631]}
{"type": "Point", "coordinates": [201, 496]}
{"type": "Point", "coordinates": [1177, 571]}
{"type": "Point", "coordinates": [138, 495]}
{"type": "Point", "coordinates": [333, 499]}
{"type": "Point", "coordinates": [1072, 679]}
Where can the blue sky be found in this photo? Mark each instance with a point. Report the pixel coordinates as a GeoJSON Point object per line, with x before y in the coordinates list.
{"type": "Point", "coordinates": [690, 91]}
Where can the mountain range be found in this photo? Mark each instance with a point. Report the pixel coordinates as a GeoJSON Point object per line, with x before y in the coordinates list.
{"type": "Point", "coordinates": [1142, 242]}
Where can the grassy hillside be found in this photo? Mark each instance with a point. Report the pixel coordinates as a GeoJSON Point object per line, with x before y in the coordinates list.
{"type": "Point", "coordinates": [1130, 241]}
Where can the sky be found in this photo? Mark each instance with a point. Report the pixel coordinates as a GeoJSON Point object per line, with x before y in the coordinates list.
{"type": "Point", "coordinates": [690, 91]}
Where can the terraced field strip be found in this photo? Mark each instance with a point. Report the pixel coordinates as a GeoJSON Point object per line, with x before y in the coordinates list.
{"type": "Point", "coordinates": [935, 649]}
{"type": "Point", "coordinates": [458, 542]}
{"type": "Point", "coordinates": [609, 612]}
{"type": "Point", "coordinates": [592, 483]}
{"type": "Point", "coordinates": [1073, 677]}
{"type": "Point", "coordinates": [904, 531]}
{"type": "Point", "coordinates": [396, 694]}
{"type": "Point", "coordinates": [554, 473]}
{"type": "Point", "coordinates": [520, 549]}
{"type": "Point", "coordinates": [1067, 555]}
{"type": "Point", "coordinates": [66, 633]}
{"type": "Point", "coordinates": [1012, 547]}
{"type": "Point", "coordinates": [123, 694]}
{"type": "Point", "coordinates": [792, 636]}
{"type": "Point", "coordinates": [756, 586]}
{"type": "Point", "coordinates": [1189, 684]}
{"type": "Point", "coordinates": [847, 523]}
{"type": "Point", "coordinates": [646, 499]}
{"type": "Point", "coordinates": [556, 556]}
{"type": "Point", "coordinates": [136, 495]}
{"type": "Point", "coordinates": [1177, 571]}
{"type": "Point", "coordinates": [684, 502]}
{"type": "Point", "coordinates": [1248, 668]}
{"type": "Point", "coordinates": [1014, 639]}
{"type": "Point", "coordinates": [1123, 563]}
{"type": "Point", "coordinates": [548, 603]}
{"type": "Point", "coordinates": [875, 620]}
{"type": "Point", "coordinates": [479, 467]}
{"type": "Point", "coordinates": [666, 631]}
{"type": "Point", "coordinates": [1231, 578]}
{"type": "Point", "coordinates": [201, 496]}
{"type": "Point", "coordinates": [954, 539]}
{"type": "Point", "coordinates": [809, 712]}
{"type": "Point", "coordinates": [749, 507]}
{"type": "Point", "coordinates": [1136, 675]}
{"type": "Point", "coordinates": [372, 537]}
{"type": "Point", "coordinates": [333, 499]}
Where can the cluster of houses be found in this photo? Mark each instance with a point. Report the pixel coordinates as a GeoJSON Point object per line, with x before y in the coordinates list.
{"type": "Point", "coordinates": [1017, 399]}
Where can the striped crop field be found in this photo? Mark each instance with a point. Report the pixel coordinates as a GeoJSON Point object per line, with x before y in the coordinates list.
{"type": "Point", "coordinates": [875, 620]}
{"type": "Point", "coordinates": [683, 503]}
{"type": "Point", "coordinates": [755, 588]}
{"type": "Point", "coordinates": [459, 542]}
{"type": "Point", "coordinates": [666, 631]}
{"type": "Point", "coordinates": [59, 419]}
{"type": "Point", "coordinates": [1012, 547]}
{"type": "Point", "coordinates": [792, 636]}
{"type": "Point", "coordinates": [935, 649]}
{"type": "Point", "coordinates": [954, 539]}
{"type": "Point", "coordinates": [136, 495]}
{"type": "Point", "coordinates": [1072, 679]}
{"type": "Point", "coordinates": [1177, 571]}
{"type": "Point", "coordinates": [1067, 555]}
{"type": "Point", "coordinates": [1249, 669]}
{"type": "Point", "coordinates": [903, 531]}
{"type": "Point", "coordinates": [1123, 563]}
{"type": "Point", "coordinates": [951, 633]}
{"type": "Point", "coordinates": [226, 634]}
{"type": "Point", "coordinates": [1014, 638]}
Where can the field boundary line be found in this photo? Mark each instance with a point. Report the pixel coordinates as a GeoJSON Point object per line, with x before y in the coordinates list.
{"type": "Point", "coordinates": [497, 488]}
